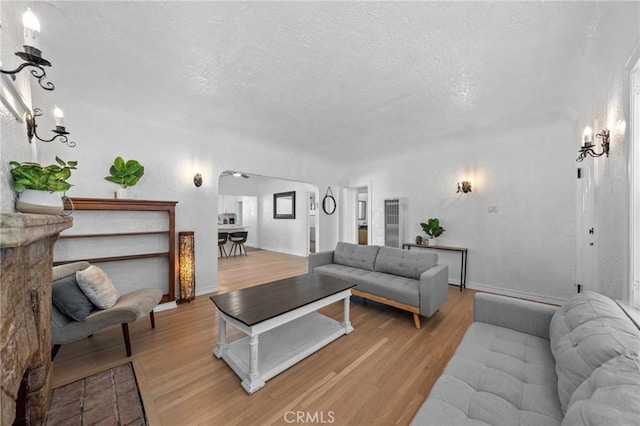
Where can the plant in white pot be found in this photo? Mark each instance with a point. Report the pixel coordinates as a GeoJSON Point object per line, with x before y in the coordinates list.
{"type": "Point", "coordinates": [125, 174]}
{"type": "Point", "coordinates": [433, 229]}
{"type": "Point", "coordinates": [39, 187]}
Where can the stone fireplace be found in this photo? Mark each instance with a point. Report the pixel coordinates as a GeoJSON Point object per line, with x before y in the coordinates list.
{"type": "Point", "coordinates": [26, 243]}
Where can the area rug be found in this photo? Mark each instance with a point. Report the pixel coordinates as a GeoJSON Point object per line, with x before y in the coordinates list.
{"type": "Point", "coordinates": [110, 397]}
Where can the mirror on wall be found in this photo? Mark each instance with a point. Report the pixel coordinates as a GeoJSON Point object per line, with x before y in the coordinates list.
{"type": "Point", "coordinates": [362, 210]}
{"type": "Point", "coordinates": [284, 205]}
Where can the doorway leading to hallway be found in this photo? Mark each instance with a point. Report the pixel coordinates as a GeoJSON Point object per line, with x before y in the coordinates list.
{"type": "Point", "coordinates": [278, 248]}
{"type": "Point", "coordinates": [356, 215]}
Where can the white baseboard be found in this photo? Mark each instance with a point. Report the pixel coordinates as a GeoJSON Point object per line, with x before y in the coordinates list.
{"type": "Point", "coordinates": [172, 305]}
{"type": "Point", "coordinates": [513, 293]}
{"type": "Point", "coordinates": [206, 290]}
{"type": "Point", "coordinates": [278, 250]}
{"type": "Point", "coordinates": [165, 306]}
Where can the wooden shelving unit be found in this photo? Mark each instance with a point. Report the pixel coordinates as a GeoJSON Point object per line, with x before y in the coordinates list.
{"type": "Point", "coordinates": [107, 204]}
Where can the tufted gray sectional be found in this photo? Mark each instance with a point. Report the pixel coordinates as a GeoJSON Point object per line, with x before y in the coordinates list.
{"type": "Point", "coordinates": [411, 280]}
{"type": "Point", "coordinates": [526, 363]}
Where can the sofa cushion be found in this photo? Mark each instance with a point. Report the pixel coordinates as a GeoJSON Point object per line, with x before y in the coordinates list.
{"type": "Point", "coordinates": [587, 331]}
{"type": "Point", "coordinates": [355, 255]}
{"type": "Point", "coordinates": [98, 287]}
{"type": "Point", "coordinates": [632, 313]}
{"type": "Point", "coordinates": [401, 289]}
{"type": "Point", "coordinates": [610, 395]}
{"type": "Point", "coordinates": [69, 299]}
{"type": "Point", "coordinates": [406, 263]}
{"type": "Point", "coordinates": [497, 376]}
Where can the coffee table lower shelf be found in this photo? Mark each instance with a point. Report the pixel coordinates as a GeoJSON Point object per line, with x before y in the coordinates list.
{"type": "Point", "coordinates": [281, 347]}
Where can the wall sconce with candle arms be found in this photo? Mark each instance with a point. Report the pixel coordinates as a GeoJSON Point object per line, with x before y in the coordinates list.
{"type": "Point", "coordinates": [32, 56]}
{"type": "Point", "coordinates": [588, 145]}
{"type": "Point", "coordinates": [60, 131]}
{"type": "Point", "coordinates": [464, 187]}
{"type": "Point", "coordinates": [187, 267]}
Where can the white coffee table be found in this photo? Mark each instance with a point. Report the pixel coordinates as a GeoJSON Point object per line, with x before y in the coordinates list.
{"type": "Point", "coordinates": [281, 324]}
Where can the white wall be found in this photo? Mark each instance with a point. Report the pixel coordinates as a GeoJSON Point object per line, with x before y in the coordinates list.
{"type": "Point", "coordinates": [284, 235]}
{"type": "Point", "coordinates": [250, 213]}
{"type": "Point", "coordinates": [610, 106]}
{"type": "Point", "coordinates": [281, 235]}
{"type": "Point", "coordinates": [13, 135]}
{"type": "Point", "coordinates": [171, 144]}
{"type": "Point", "coordinates": [527, 247]}
{"type": "Point", "coordinates": [231, 185]}
{"type": "Point", "coordinates": [525, 169]}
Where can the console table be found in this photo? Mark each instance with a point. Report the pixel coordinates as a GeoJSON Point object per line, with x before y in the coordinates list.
{"type": "Point", "coordinates": [463, 258]}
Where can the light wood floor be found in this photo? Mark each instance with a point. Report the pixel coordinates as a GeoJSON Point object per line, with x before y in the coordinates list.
{"type": "Point", "coordinates": [379, 374]}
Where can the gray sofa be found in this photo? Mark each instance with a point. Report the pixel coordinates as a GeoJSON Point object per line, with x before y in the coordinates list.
{"type": "Point", "coordinates": [409, 280]}
{"type": "Point", "coordinates": [526, 363]}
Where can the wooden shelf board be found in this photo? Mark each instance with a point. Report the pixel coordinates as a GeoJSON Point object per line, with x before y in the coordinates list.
{"type": "Point", "coordinates": [81, 203]}
{"type": "Point", "coordinates": [114, 234]}
{"type": "Point", "coordinates": [114, 258]}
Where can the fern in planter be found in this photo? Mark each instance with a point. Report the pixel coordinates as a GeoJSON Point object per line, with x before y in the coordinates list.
{"type": "Point", "coordinates": [125, 173]}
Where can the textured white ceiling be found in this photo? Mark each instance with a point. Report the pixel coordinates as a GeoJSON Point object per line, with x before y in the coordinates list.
{"type": "Point", "coordinates": [335, 78]}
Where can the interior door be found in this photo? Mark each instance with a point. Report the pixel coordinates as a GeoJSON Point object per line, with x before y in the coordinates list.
{"type": "Point", "coordinates": [587, 233]}
{"type": "Point", "coordinates": [634, 284]}
{"type": "Point", "coordinates": [313, 215]}
{"type": "Point", "coordinates": [349, 216]}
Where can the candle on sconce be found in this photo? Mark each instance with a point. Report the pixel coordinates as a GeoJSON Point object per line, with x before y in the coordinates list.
{"type": "Point", "coordinates": [587, 136]}
{"type": "Point", "coordinates": [31, 29]}
{"type": "Point", "coordinates": [59, 117]}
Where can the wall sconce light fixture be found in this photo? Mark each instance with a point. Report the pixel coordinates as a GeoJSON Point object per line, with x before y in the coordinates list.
{"type": "Point", "coordinates": [60, 130]}
{"type": "Point", "coordinates": [588, 145]}
{"type": "Point", "coordinates": [197, 180]}
{"type": "Point", "coordinates": [464, 187]}
{"type": "Point", "coordinates": [32, 56]}
{"type": "Point", "coordinates": [187, 269]}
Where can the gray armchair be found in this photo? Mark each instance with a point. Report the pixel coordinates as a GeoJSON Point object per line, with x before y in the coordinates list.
{"type": "Point", "coordinates": [128, 308]}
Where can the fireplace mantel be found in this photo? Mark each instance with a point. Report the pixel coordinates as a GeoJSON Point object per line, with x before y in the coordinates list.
{"type": "Point", "coordinates": [26, 244]}
{"type": "Point", "coordinates": [20, 229]}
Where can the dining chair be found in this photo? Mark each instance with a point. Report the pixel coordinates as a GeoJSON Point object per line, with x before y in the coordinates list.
{"type": "Point", "coordinates": [238, 239]}
{"type": "Point", "coordinates": [223, 237]}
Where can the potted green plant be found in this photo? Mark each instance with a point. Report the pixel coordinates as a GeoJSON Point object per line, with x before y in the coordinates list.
{"type": "Point", "coordinates": [125, 173]}
{"type": "Point", "coordinates": [39, 187]}
{"type": "Point", "coordinates": [433, 229]}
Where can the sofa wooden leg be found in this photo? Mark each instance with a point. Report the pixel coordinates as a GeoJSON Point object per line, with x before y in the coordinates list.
{"type": "Point", "coordinates": [416, 320]}
{"type": "Point", "coordinates": [153, 319]}
{"type": "Point", "coordinates": [54, 351]}
{"type": "Point", "coordinates": [125, 333]}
